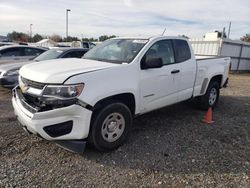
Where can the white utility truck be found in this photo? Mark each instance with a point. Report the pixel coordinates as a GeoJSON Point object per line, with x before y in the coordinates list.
{"type": "Point", "coordinates": [94, 99]}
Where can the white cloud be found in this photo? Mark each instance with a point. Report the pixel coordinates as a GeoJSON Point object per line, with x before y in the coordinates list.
{"type": "Point", "coordinates": [92, 18]}
{"type": "Point", "coordinates": [128, 3]}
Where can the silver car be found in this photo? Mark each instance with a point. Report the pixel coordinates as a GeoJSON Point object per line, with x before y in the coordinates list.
{"type": "Point", "coordinates": [9, 72]}
{"type": "Point", "coordinates": [18, 53]}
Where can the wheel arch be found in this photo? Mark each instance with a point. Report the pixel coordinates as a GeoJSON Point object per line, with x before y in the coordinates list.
{"type": "Point", "coordinates": [126, 98]}
{"type": "Point", "coordinates": [218, 78]}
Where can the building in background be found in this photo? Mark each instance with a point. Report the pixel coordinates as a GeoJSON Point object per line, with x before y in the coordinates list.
{"type": "Point", "coordinates": [46, 43]}
{"type": "Point", "coordinates": [3, 38]}
{"type": "Point", "coordinates": [213, 45]}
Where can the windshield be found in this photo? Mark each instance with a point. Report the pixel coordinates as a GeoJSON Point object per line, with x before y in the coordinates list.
{"type": "Point", "coordinates": [116, 50]}
{"type": "Point", "coordinates": [50, 54]}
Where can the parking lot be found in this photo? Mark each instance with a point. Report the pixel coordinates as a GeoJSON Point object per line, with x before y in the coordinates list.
{"type": "Point", "coordinates": [168, 147]}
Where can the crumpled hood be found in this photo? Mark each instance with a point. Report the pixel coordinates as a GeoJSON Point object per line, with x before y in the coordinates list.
{"type": "Point", "coordinates": [58, 70]}
{"type": "Point", "coordinates": [10, 66]}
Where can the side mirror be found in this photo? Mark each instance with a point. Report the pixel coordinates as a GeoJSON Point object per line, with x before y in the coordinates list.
{"type": "Point", "coordinates": [151, 63]}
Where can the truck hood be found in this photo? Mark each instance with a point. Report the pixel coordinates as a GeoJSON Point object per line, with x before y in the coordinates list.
{"type": "Point", "coordinates": [10, 66]}
{"type": "Point", "coordinates": [58, 70]}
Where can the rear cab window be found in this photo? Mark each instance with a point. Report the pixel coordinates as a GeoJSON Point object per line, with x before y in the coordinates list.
{"type": "Point", "coordinates": [182, 50]}
{"type": "Point", "coordinates": [162, 49]}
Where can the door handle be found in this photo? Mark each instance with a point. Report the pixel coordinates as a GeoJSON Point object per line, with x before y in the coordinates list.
{"type": "Point", "coordinates": [175, 71]}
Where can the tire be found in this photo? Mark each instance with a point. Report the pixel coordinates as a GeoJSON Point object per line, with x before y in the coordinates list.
{"type": "Point", "coordinates": [110, 126]}
{"type": "Point", "coordinates": [210, 99]}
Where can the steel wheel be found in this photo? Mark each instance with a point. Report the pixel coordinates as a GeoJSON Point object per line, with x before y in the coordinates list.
{"type": "Point", "coordinates": [113, 127]}
{"type": "Point", "coordinates": [212, 96]}
{"type": "Point", "coordinates": [110, 126]}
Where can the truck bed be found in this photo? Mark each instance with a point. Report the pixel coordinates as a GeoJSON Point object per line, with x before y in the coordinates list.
{"type": "Point", "coordinates": [206, 68]}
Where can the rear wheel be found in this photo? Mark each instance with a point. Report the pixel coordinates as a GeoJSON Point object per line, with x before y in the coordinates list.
{"type": "Point", "coordinates": [110, 126]}
{"type": "Point", "coordinates": [211, 97]}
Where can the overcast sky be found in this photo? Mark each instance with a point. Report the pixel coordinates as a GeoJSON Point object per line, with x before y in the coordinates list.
{"type": "Point", "coordinates": [92, 18]}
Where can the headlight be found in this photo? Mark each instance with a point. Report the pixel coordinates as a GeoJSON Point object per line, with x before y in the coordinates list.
{"type": "Point", "coordinates": [12, 72]}
{"type": "Point", "coordinates": [63, 91]}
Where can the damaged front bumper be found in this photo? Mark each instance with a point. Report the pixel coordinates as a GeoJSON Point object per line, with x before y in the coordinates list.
{"type": "Point", "coordinates": [68, 125]}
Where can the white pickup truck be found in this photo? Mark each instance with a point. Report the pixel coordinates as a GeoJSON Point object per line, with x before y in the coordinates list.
{"type": "Point", "coordinates": [94, 99]}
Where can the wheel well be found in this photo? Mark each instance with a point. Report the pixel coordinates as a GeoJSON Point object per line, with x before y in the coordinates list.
{"type": "Point", "coordinates": [127, 98]}
{"type": "Point", "coordinates": [217, 78]}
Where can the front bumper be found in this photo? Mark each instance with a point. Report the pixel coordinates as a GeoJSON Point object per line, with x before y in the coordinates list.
{"type": "Point", "coordinates": [39, 122]}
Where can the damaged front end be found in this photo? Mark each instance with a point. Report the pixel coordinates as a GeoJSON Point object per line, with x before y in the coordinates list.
{"type": "Point", "coordinates": [53, 112]}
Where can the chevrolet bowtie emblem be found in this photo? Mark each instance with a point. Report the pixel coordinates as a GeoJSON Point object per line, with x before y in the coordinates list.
{"type": "Point", "coordinates": [24, 88]}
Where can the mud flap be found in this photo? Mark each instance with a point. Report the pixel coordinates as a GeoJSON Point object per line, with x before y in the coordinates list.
{"type": "Point", "coordinates": [76, 146]}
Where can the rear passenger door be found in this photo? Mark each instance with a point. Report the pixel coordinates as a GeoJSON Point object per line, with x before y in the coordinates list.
{"type": "Point", "coordinates": [159, 86]}
{"type": "Point", "coordinates": [187, 69]}
{"type": "Point", "coordinates": [10, 54]}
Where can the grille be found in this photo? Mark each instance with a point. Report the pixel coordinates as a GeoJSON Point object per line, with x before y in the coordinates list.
{"type": "Point", "coordinates": [33, 84]}
{"type": "Point", "coordinates": [29, 106]}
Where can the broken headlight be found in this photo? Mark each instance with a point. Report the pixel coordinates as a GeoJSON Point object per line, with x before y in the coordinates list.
{"type": "Point", "coordinates": [63, 92]}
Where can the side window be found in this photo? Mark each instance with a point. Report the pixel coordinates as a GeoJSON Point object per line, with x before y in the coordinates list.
{"type": "Point", "coordinates": [85, 45]}
{"type": "Point", "coordinates": [69, 54]}
{"type": "Point", "coordinates": [182, 50]}
{"type": "Point", "coordinates": [91, 45]}
{"type": "Point", "coordinates": [32, 52]}
{"type": "Point", "coordinates": [72, 54]}
{"type": "Point", "coordinates": [162, 49]}
{"type": "Point", "coordinates": [39, 51]}
{"type": "Point", "coordinates": [81, 53]}
{"type": "Point", "coordinates": [10, 52]}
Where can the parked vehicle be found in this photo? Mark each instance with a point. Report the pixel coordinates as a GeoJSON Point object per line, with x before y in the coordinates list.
{"type": "Point", "coordinates": [6, 43]}
{"type": "Point", "coordinates": [9, 72]}
{"type": "Point", "coordinates": [18, 53]}
{"type": "Point", "coordinates": [82, 44]}
{"type": "Point", "coordinates": [95, 99]}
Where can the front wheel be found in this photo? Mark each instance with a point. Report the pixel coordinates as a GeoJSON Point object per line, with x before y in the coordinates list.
{"type": "Point", "coordinates": [110, 126]}
{"type": "Point", "coordinates": [211, 97]}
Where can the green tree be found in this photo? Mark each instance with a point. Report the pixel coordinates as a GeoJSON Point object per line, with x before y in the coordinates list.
{"type": "Point", "coordinates": [18, 36]}
{"type": "Point", "coordinates": [246, 38]}
{"type": "Point", "coordinates": [85, 39]}
{"type": "Point", "coordinates": [70, 39]}
{"type": "Point", "coordinates": [89, 39]}
{"type": "Point", "coordinates": [93, 39]}
{"type": "Point", "coordinates": [37, 38]}
{"type": "Point", "coordinates": [56, 38]}
{"type": "Point", "coordinates": [105, 37]}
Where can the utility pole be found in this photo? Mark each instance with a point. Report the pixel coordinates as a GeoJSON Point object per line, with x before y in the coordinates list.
{"type": "Point", "coordinates": [31, 32]}
{"type": "Point", "coordinates": [223, 32]}
{"type": "Point", "coordinates": [67, 24]}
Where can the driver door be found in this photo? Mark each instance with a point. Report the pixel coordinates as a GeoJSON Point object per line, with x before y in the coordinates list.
{"type": "Point", "coordinates": [159, 86]}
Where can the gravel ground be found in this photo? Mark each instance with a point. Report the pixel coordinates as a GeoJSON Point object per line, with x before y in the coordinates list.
{"type": "Point", "coordinates": [166, 148]}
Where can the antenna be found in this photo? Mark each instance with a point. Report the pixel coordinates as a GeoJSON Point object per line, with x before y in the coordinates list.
{"type": "Point", "coordinates": [163, 31]}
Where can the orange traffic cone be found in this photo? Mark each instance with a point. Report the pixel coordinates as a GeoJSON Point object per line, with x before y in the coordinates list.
{"type": "Point", "coordinates": [209, 116]}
